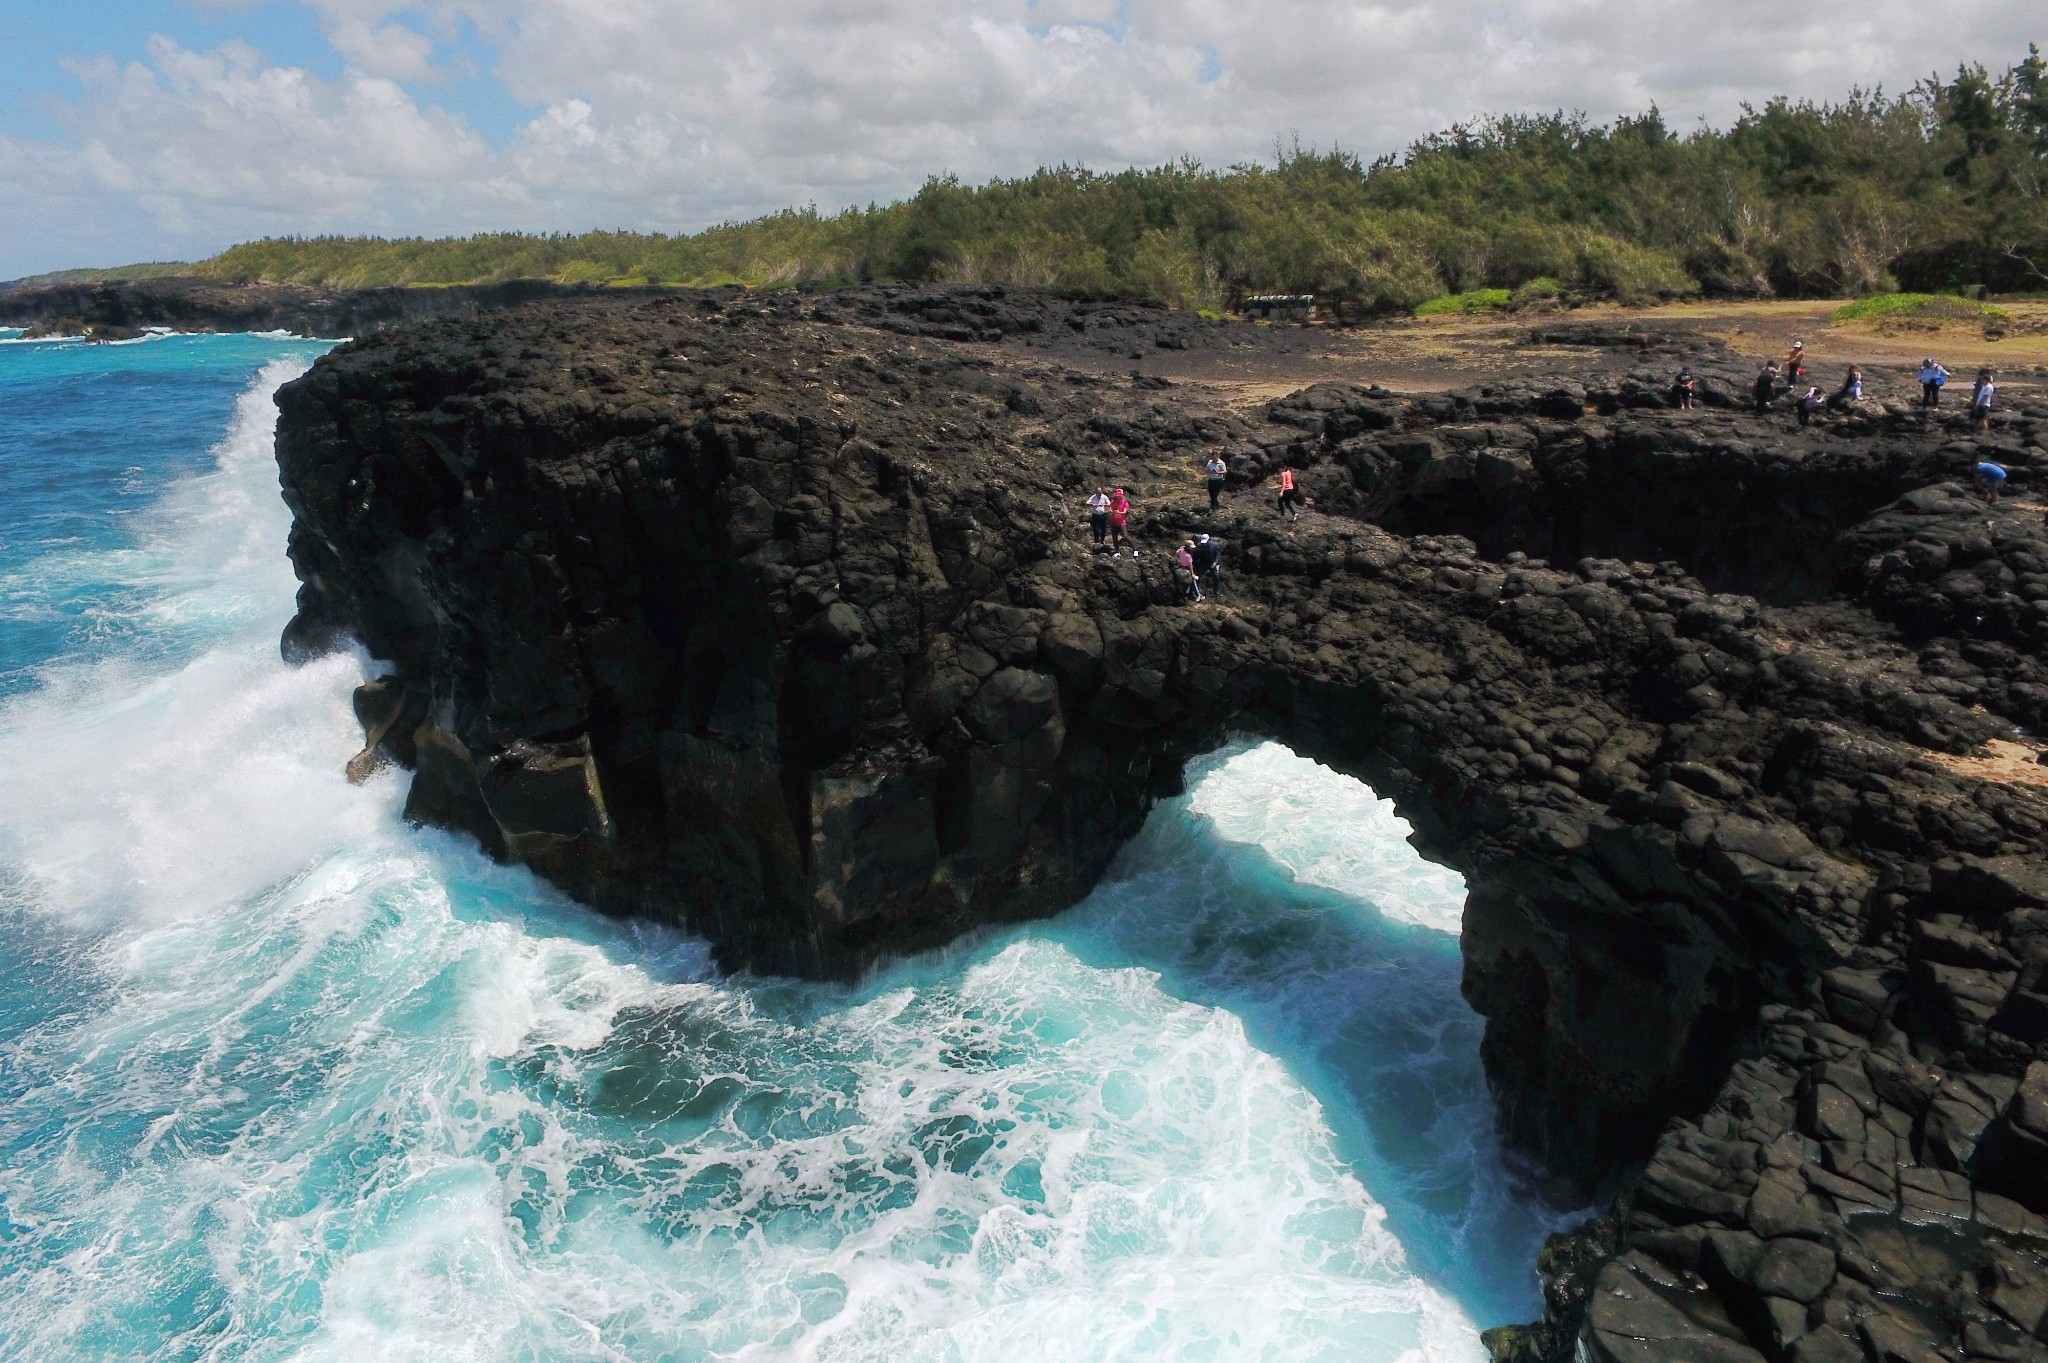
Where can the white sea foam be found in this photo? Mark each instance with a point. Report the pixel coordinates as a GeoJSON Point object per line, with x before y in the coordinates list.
{"type": "Point", "coordinates": [1329, 830]}
{"type": "Point", "coordinates": [311, 1085]}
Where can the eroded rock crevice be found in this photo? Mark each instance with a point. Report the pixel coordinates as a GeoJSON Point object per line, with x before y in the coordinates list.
{"type": "Point", "coordinates": [762, 619]}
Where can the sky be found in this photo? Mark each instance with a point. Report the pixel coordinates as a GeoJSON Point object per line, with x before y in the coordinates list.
{"type": "Point", "coordinates": [135, 130]}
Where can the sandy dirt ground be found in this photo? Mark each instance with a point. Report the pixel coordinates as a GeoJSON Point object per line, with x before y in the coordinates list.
{"type": "Point", "coordinates": [1432, 354]}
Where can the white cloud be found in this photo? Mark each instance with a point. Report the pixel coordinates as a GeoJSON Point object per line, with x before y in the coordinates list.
{"type": "Point", "coordinates": [392, 51]}
{"type": "Point", "coordinates": [674, 113]}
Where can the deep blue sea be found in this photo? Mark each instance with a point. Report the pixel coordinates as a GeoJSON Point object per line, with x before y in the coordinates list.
{"type": "Point", "coordinates": [281, 1078]}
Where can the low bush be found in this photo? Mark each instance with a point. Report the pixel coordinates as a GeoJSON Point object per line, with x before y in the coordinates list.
{"type": "Point", "coordinates": [1922, 307]}
{"type": "Point", "coordinates": [1543, 290]}
{"type": "Point", "coordinates": [1476, 300]}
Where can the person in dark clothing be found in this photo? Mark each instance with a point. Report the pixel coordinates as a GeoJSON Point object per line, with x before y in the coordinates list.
{"type": "Point", "coordinates": [1208, 564]}
{"type": "Point", "coordinates": [1685, 389]}
{"type": "Point", "coordinates": [1809, 402]}
{"type": "Point", "coordinates": [1766, 386]}
{"type": "Point", "coordinates": [1218, 471]}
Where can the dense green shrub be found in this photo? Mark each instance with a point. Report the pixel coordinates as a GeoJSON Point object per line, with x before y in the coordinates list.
{"type": "Point", "coordinates": [1477, 300]}
{"type": "Point", "coordinates": [1935, 189]}
{"type": "Point", "coordinates": [1931, 307]}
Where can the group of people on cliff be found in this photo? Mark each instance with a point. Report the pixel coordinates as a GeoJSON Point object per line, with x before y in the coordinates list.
{"type": "Point", "coordinates": [1199, 559]}
{"type": "Point", "coordinates": [1774, 381]}
{"type": "Point", "coordinates": [1932, 376]}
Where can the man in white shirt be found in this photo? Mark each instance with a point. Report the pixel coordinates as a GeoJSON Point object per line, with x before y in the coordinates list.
{"type": "Point", "coordinates": [1932, 377]}
{"type": "Point", "coordinates": [1098, 515]}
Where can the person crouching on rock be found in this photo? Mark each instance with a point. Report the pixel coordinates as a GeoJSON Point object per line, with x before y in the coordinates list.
{"type": "Point", "coordinates": [1991, 477]}
{"type": "Point", "coordinates": [1980, 402]}
{"type": "Point", "coordinates": [1119, 518]}
{"type": "Point", "coordinates": [1809, 402]}
{"type": "Point", "coordinates": [1850, 391]}
{"type": "Point", "coordinates": [1932, 377]}
{"type": "Point", "coordinates": [1208, 564]}
{"type": "Point", "coordinates": [1218, 471]}
{"type": "Point", "coordinates": [1185, 557]}
{"type": "Point", "coordinates": [1685, 389]}
{"type": "Point", "coordinates": [1290, 500]}
{"type": "Point", "coordinates": [1098, 515]}
{"type": "Point", "coordinates": [1766, 386]}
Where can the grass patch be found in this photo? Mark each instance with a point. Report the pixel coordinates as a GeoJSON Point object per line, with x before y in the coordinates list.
{"type": "Point", "coordinates": [1478, 300]}
{"type": "Point", "coordinates": [1919, 307]}
{"type": "Point", "coordinates": [119, 274]}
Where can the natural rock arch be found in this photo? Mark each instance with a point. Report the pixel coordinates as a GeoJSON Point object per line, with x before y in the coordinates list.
{"type": "Point", "coordinates": [791, 632]}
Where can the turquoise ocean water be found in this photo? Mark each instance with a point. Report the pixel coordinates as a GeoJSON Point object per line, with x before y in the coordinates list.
{"type": "Point", "coordinates": [281, 1078]}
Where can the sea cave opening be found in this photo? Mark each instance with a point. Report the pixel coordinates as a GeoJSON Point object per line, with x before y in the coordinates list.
{"type": "Point", "coordinates": [1292, 897]}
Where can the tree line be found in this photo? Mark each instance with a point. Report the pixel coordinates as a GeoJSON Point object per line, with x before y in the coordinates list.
{"type": "Point", "coordinates": [1936, 189]}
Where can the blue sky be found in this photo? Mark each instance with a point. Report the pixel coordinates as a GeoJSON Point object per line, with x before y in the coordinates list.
{"type": "Point", "coordinates": [40, 39]}
{"type": "Point", "coordinates": [170, 129]}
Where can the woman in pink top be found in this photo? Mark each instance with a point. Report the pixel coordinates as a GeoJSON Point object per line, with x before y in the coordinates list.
{"type": "Point", "coordinates": [1289, 498]}
{"type": "Point", "coordinates": [1119, 516]}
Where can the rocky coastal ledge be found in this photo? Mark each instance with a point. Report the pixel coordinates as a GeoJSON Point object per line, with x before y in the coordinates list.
{"type": "Point", "coordinates": [1100, 328]}
{"type": "Point", "coordinates": [118, 311]}
{"type": "Point", "coordinates": [780, 620]}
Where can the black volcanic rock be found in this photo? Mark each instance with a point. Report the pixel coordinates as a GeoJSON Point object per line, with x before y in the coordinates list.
{"type": "Point", "coordinates": [114, 311]}
{"type": "Point", "coordinates": [776, 620]}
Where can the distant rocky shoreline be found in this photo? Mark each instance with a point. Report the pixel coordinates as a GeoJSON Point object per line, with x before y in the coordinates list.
{"type": "Point", "coordinates": [180, 303]}
{"type": "Point", "coordinates": [778, 618]}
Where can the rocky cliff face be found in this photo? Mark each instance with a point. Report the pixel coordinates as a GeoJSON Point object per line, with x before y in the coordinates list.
{"type": "Point", "coordinates": [764, 619]}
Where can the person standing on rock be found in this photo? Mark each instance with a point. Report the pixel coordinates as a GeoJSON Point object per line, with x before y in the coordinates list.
{"type": "Point", "coordinates": [1980, 402]}
{"type": "Point", "coordinates": [1766, 386]}
{"type": "Point", "coordinates": [1795, 365]}
{"type": "Point", "coordinates": [1218, 471]}
{"type": "Point", "coordinates": [1685, 389]}
{"type": "Point", "coordinates": [1289, 498]}
{"type": "Point", "coordinates": [1098, 515]}
{"type": "Point", "coordinates": [1119, 519]}
{"type": "Point", "coordinates": [1208, 564]}
{"type": "Point", "coordinates": [1932, 377]}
